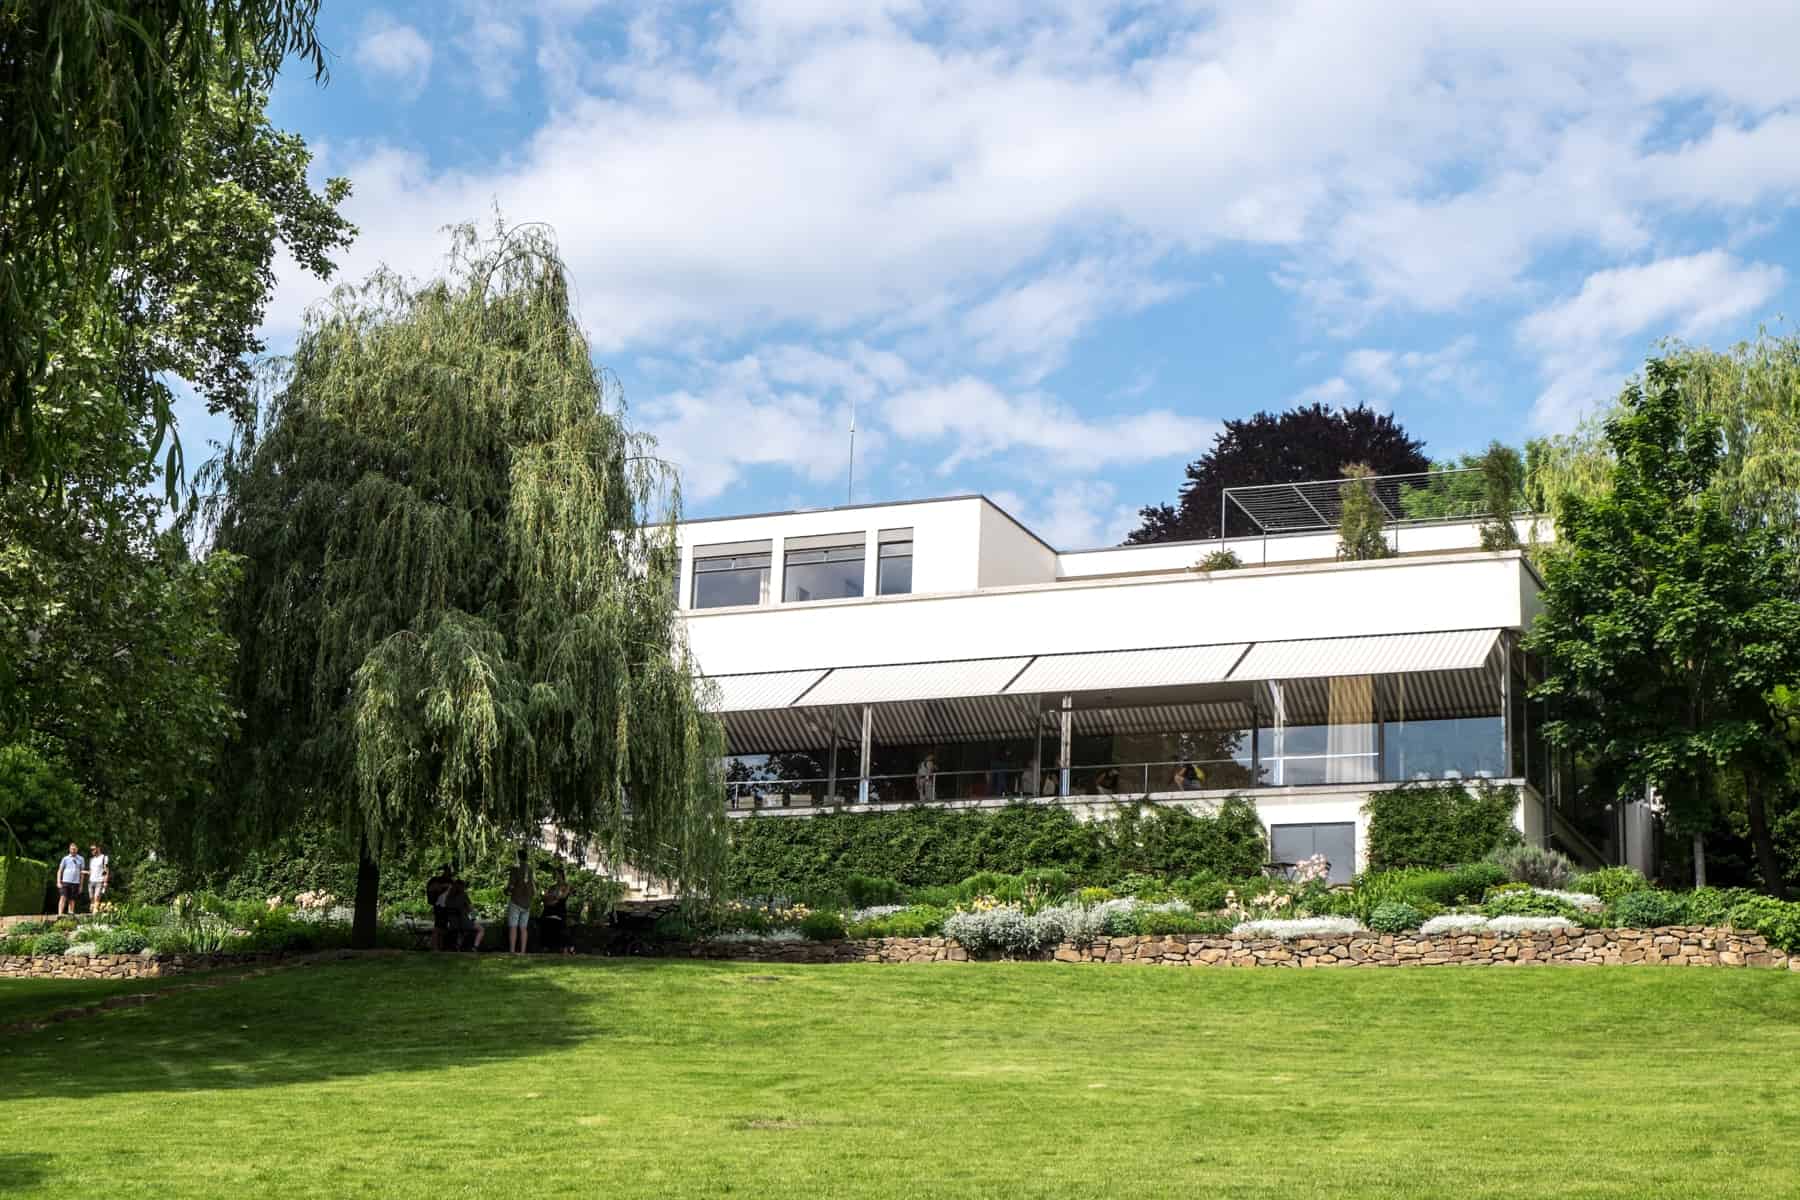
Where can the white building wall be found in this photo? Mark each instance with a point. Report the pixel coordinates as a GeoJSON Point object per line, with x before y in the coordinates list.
{"type": "Point", "coordinates": [1256, 604]}
{"type": "Point", "coordinates": [1011, 555]}
{"type": "Point", "coordinates": [947, 540]}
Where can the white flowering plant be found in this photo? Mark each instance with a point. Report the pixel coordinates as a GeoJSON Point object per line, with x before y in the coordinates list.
{"type": "Point", "coordinates": [1298, 927]}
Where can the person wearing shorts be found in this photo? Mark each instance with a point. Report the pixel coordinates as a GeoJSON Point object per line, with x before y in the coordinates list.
{"type": "Point", "coordinates": [521, 888]}
{"type": "Point", "coordinates": [68, 880]}
{"type": "Point", "coordinates": [99, 874]}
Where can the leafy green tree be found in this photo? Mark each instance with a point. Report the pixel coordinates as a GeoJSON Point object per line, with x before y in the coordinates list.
{"type": "Point", "coordinates": [457, 620]}
{"type": "Point", "coordinates": [1667, 624]}
{"type": "Point", "coordinates": [113, 656]}
{"type": "Point", "coordinates": [1361, 521]}
{"type": "Point", "coordinates": [1303, 444]}
{"type": "Point", "coordinates": [101, 99]}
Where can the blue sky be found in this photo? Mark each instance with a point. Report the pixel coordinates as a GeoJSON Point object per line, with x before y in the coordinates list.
{"type": "Point", "coordinates": [1045, 248]}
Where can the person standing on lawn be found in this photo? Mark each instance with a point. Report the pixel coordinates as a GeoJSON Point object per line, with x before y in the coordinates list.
{"type": "Point", "coordinates": [99, 869]}
{"type": "Point", "coordinates": [460, 917]}
{"type": "Point", "coordinates": [553, 922]}
{"type": "Point", "coordinates": [521, 889]}
{"type": "Point", "coordinates": [68, 880]}
{"type": "Point", "coordinates": [437, 890]}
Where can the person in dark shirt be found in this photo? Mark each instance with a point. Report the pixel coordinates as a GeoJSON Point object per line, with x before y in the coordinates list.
{"type": "Point", "coordinates": [436, 889]}
{"type": "Point", "coordinates": [553, 922]}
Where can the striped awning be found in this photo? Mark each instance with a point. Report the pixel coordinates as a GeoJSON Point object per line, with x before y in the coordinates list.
{"type": "Point", "coordinates": [764, 689]}
{"type": "Point", "coordinates": [915, 681]}
{"type": "Point", "coordinates": [1109, 669]}
{"type": "Point", "coordinates": [1380, 654]}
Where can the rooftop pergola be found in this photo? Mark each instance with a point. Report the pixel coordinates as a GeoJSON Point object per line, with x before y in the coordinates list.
{"type": "Point", "coordinates": [1317, 505]}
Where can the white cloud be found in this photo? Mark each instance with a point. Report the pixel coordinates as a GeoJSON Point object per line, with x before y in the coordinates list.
{"type": "Point", "coordinates": [973, 419]}
{"type": "Point", "coordinates": [1581, 340]}
{"type": "Point", "coordinates": [1075, 515]}
{"type": "Point", "coordinates": [788, 406]}
{"type": "Point", "coordinates": [981, 188]}
{"type": "Point", "coordinates": [397, 53]}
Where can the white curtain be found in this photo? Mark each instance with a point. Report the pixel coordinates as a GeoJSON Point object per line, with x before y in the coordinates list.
{"type": "Point", "coordinates": [1350, 739]}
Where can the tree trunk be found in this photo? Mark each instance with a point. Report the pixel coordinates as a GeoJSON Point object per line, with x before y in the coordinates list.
{"type": "Point", "coordinates": [1766, 861]}
{"type": "Point", "coordinates": [368, 879]}
{"type": "Point", "coordinates": [1699, 860]}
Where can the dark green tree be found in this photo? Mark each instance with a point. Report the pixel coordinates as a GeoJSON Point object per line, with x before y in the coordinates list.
{"type": "Point", "coordinates": [114, 663]}
{"type": "Point", "coordinates": [457, 620]}
{"type": "Point", "coordinates": [1308, 443]}
{"type": "Point", "coordinates": [1667, 624]}
{"type": "Point", "coordinates": [100, 101]}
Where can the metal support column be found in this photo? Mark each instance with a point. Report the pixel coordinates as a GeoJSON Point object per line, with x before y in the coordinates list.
{"type": "Point", "coordinates": [1064, 750]}
{"type": "Point", "coordinates": [862, 783]}
{"type": "Point", "coordinates": [831, 765]}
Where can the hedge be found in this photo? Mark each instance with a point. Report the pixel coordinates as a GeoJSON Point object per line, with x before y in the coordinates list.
{"type": "Point", "coordinates": [22, 883]}
{"type": "Point", "coordinates": [931, 847]}
{"type": "Point", "coordinates": [1438, 825]}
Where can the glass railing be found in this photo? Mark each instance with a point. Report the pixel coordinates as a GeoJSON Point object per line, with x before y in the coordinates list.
{"type": "Point", "coordinates": [1100, 779]}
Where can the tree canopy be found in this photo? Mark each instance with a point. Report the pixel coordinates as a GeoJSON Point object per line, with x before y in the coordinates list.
{"type": "Point", "coordinates": [1308, 443]}
{"type": "Point", "coordinates": [102, 99]}
{"type": "Point", "coordinates": [114, 665]}
{"type": "Point", "coordinates": [1668, 624]}
{"type": "Point", "coordinates": [458, 614]}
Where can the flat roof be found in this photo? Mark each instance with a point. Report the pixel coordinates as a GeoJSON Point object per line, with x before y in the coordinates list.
{"type": "Point", "coordinates": [831, 508]}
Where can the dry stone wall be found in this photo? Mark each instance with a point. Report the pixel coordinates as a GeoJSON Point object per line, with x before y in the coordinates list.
{"type": "Point", "coordinates": [1674, 946]}
{"type": "Point", "coordinates": [117, 966]}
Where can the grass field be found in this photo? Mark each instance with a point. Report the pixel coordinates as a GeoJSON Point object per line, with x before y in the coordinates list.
{"type": "Point", "coordinates": [446, 1077]}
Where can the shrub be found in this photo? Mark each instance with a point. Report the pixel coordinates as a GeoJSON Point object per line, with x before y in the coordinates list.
{"type": "Point", "coordinates": [1648, 909]}
{"type": "Point", "coordinates": [18, 943]}
{"type": "Point", "coordinates": [1777, 920]}
{"type": "Point", "coordinates": [1220, 560]}
{"type": "Point", "coordinates": [1094, 895]}
{"type": "Point", "coordinates": [1005, 930]}
{"type": "Point", "coordinates": [22, 884]}
{"type": "Point", "coordinates": [1426, 890]}
{"type": "Point", "coordinates": [936, 897]}
{"type": "Point", "coordinates": [49, 943]}
{"type": "Point", "coordinates": [1433, 825]}
{"type": "Point", "coordinates": [81, 950]}
{"type": "Point", "coordinates": [1204, 890]}
{"type": "Point", "coordinates": [675, 927]}
{"type": "Point", "coordinates": [123, 941]}
{"type": "Point", "coordinates": [825, 925]}
{"type": "Point", "coordinates": [1712, 906]}
{"type": "Point", "coordinates": [1610, 883]}
{"type": "Point", "coordinates": [866, 891]}
{"type": "Point", "coordinates": [1395, 916]}
{"type": "Point", "coordinates": [280, 933]}
{"type": "Point", "coordinates": [919, 920]}
{"type": "Point", "coordinates": [1525, 903]}
{"type": "Point", "coordinates": [1302, 927]}
{"type": "Point", "coordinates": [1534, 865]}
{"type": "Point", "coordinates": [1157, 922]}
{"type": "Point", "coordinates": [1147, 888]}
{"type": "Point", "coordinates": [153, 881]}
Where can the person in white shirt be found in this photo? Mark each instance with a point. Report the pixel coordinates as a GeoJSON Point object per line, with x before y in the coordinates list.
{"type": "Point", "coordinates": [99, 874]}
{"type": "Point", "coordinates": [68, 880]}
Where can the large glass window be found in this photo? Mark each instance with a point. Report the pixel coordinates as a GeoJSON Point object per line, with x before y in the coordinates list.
{"type": "Point", "coordinates": [1162, 748]}
{"type": "Point", "coordinates": [1335, 840]}
{"type": "Point", "coordinates": [1332, 732]}
{"type": "Point", "coordinates": [822, 573]}
{"type": "Point", "coordinates": [728, 579]}
{"type": "Point", "coordinates": [893, 570]}
{"type": "Point", "coordinates": [1442, 725]}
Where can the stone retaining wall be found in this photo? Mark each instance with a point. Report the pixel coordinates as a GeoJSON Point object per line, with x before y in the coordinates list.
{"type": "Point", "coordinates": [118, 966]}
{"type": "Point", "coordinates": [1674, 945]}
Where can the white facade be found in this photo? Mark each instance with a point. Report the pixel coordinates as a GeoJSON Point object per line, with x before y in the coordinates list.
{"type": "Point", "coordinates": [1005, 647]}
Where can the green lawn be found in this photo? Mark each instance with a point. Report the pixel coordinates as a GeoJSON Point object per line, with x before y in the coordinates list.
{"type": "Point", "coordinates": [446, 1077]}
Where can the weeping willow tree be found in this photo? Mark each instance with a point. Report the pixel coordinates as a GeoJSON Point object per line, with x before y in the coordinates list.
{"type": "Point", "coordinates": [458, 615]}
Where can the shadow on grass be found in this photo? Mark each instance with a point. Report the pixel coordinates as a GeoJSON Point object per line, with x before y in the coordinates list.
{"type": "Point", "coordinates": [23, 1170]}
{"type": "Point", "coordinates": [314, 1023]}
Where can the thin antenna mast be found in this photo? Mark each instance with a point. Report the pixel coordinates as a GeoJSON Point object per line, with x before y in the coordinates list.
{"type": "Point", "coordinates": [850, 487]}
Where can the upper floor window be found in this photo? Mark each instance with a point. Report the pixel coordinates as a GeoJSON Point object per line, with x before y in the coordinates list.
{"type": "Point", "coordinates": [822, 573]}
{"type": "Point", "coordinates": [730, 575]}
{"type": "Point", "coordinates": [893, 566]}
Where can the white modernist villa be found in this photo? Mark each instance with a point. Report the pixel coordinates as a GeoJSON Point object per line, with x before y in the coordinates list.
{"type": "Point", "coordinates": [938, 651]}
